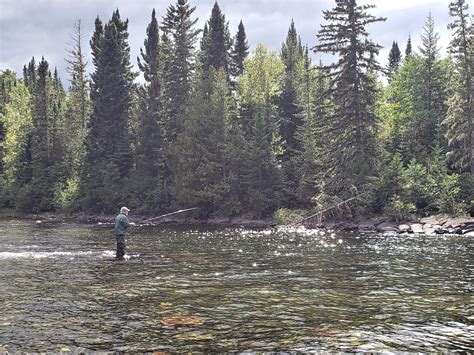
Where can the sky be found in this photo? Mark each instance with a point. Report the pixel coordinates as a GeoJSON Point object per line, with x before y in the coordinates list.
{"type": "Point", "coordinates": [43, 27]}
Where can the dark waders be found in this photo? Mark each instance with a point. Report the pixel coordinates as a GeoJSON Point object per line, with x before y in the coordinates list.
{"type": "Point", "coordinates": [120, 246]}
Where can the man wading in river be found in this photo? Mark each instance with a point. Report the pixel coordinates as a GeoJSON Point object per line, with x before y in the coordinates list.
{"type": "Point", "coordinates": [120, 230]}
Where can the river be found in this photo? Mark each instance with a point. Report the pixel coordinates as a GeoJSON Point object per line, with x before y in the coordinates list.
{"type": "Point", "coordinates": [243, 290]}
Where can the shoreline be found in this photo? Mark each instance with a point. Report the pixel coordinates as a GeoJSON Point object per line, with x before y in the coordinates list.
{"type": "Point", "coordinates": [431, 225]}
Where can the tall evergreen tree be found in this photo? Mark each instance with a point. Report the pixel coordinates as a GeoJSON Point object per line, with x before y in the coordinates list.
{"type": "Point", "coordinates": [433, 95]}
{"type": "Point", "coordinates": [459, 121]}
{"type": "Point", "coordinates": [394, 58]}
{"type": "Point", "coordinates": [289, 114]}
{"type": "Point", "coordinates": [408, 49]}
{"type": "Point", "coordinates": [108, 160]}
{"type": "Point", "coordinates": [46, 144]}
{"type": "Point", "coordinates": [179, 26]}
{"type": "Point", "coordinates": [217, 42]}
{"type": "Point", "coordinates": [149, 160]}
{"type": "Point", "coordinates": [312, 133]}
{"type": "Point", "coordinates": [352, 158]}
{"type": "Point", "coordinates": [240, 51]}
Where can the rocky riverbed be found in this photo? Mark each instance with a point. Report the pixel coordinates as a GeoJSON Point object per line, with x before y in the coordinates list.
{"type": "Point", "coordinates": [432, 225]}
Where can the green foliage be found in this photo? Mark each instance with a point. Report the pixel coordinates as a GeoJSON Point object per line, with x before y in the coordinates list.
{"type": "Point", "coordinates": [216, 45]}
{"type": "Point", "coordinates": [399, 210]}
{"type": "Point", "coordinates": [284, 216]}
{"type": "Point", "coordinates": [394, 58]}
{"type": "Point", "coordinates": [352, 156]}
{"type": "Point", "coordinates": [108, 141]}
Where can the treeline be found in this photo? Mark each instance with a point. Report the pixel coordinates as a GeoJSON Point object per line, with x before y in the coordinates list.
{"type": "Point", "coordinates": [233, 134]}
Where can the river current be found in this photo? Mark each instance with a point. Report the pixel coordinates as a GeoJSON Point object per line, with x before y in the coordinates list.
{"type": "Point", "coordinates": [240, 290]}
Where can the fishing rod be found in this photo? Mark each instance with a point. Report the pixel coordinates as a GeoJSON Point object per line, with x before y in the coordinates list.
{"type": "Point", "coordinates": [168, 214]}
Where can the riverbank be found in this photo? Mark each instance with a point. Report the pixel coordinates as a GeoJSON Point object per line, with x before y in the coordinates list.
{"type": "Point", "coordinates": [431, 225]}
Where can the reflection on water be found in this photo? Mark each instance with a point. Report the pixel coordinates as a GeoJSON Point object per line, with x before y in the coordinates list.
{"type": "Point", "coordinates": [289, 290]}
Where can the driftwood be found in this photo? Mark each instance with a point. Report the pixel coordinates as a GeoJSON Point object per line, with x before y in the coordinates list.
{"type": "Point", "coordinates": [326, 210]}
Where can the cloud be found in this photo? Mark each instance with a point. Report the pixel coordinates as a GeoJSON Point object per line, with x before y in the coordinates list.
{"type": "Point", "coordinates": [43, 27]}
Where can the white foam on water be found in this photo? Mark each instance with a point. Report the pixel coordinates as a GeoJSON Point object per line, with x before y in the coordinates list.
{"type": "Point", "coordinates": [53, 254]}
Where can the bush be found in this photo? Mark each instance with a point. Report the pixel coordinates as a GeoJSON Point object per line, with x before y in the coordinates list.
{"type": "Point", "coordinates": [398, 210]}
{"type": "Point", "coordinates": [287, 216]}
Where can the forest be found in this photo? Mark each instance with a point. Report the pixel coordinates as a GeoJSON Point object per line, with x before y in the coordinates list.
{"type": "Point", "coordinates": [237, 132]}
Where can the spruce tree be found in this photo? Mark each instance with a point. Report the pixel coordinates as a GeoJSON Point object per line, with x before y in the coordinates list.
{"type": "Point", "coordinates": [46, 144]}
{"type": "Point", "coordinates": [459, 121]}
{"type": "Point", "coordinates": [179, 26]}
{"type": "Point", "coordinates": [108, 161]}
{"type": "Point", "coordinates": [432, 96]}
{"type": "Point", "coordinates": [289, 114]}
{"type": "Point", "coordinates": [239, 52]}
{"type": "Point", "coordinates": [408, 49]}
{"type": "Point", "coordinates": [149, 160]}
{"type": "Point", "coordinates": [352, 159]}
{"type": "Point", "coordinates": [394, 58]}
{"type": "Point", "coordinates": [217, 44]}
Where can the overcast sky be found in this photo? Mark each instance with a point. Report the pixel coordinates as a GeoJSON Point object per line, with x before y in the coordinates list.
{"type": "Point", "coordinates": [42, 27]}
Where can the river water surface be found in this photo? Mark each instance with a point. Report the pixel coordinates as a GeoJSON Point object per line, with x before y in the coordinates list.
{"type": "Point", "coordinates": [250, 290]}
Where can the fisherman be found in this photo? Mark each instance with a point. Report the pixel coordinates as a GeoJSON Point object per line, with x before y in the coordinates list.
{"type": "Point", "coordinates": [120, 230]}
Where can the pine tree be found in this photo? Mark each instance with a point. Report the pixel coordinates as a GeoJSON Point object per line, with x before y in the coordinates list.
{"type": "Point", "coordinates": [217, 44]}
{"type": "Point", "coordinates": [459, 122]}
{"type": "Point", "coordinates": [108, 161]}
{"type": "Point", "coordinates": [408, 49]}
{"type": "Point", "coordinates": [239, 52]}
{"type": "Point", "coordinates": [352, 158]}
{"type": "Point", "coordinates": [394, 58]}
{"type": "Point", "coordinates": [149, 160]}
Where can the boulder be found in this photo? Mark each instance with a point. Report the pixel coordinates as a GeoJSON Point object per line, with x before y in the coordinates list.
{"type": "Point", "coordinates": [458, 222]}
{"type": "Point", "coordinates": [404, 228]}
{"type": "Point", "coordinates": [367, 225]}
{"type": "Point", "coordinates": [469, 234]}
{"type": "Point", "coordinates": [417, 228]}
{"type": "Point", "coordinates": [439, 229]}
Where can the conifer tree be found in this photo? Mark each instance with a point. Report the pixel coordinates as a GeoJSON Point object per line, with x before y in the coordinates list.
{"type": "Point", "coordinates": [46, 144]}
{"type": "Point", "coordinates": [394, 58]}
{"type": "Point", "coordinates": [178, 25]}
{"type": "Point", "coordinates": [289, 114]}
{"type": "Point", "coordinates": [459, 121]}
{"type": "Point", "coordinates": [408, 49]}
{"type": "Point", "coordinates": [217, 44]}
{"type": "Point", "coordinates": [201, 147]}
{"type": "Point", "coordinates": [240, 51]}
{"type": "Point", "coordinates": [108, 161]}
{"type": "Point", "coordinates": [78, 105]}
{"type": "Point", "coordinates": [313, 133]}
{"type": "Point", "coordinates": [431, 108]}
{"type": "Point", "coordinates": [352, 158]}
{"type": "Point", "coordinates": [149, 160]}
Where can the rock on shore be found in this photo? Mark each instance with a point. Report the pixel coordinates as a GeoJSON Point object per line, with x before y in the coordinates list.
{"type": "Point", "coordinates": [432, 225]}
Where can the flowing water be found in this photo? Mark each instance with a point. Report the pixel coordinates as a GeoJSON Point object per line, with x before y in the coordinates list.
{"type": "Point", "coordinates": [244, 290]}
